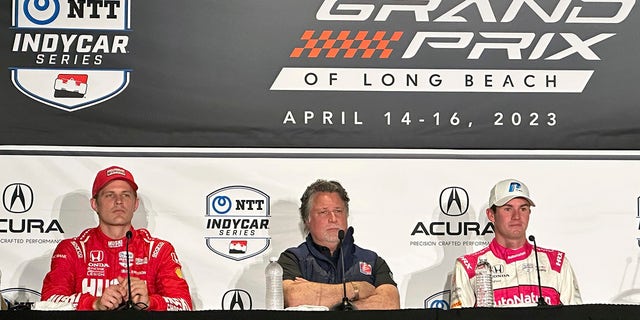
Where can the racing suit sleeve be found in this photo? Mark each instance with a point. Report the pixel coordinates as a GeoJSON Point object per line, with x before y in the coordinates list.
{"type": "Point", "coordinates": [173, 290]}
{"type": "Point", "coordinates": [59, 283]}
{"type": "Point", "coordinates": [462, 293]}
{"type": "Point", "coordinates": [569, 290]}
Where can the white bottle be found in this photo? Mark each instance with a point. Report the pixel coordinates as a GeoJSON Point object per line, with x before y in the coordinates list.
{"type": "Point", "coordinates": [274, 296]}
{"type": "Point", "coordinates": [484, 285]}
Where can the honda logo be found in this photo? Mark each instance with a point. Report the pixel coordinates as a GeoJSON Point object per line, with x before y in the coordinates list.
{"type": "Point", "coordinates": [96, 255]}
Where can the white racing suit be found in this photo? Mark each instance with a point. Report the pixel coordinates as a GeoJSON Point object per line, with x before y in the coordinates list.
{"type": "Point", "coordinates": [515, 281]}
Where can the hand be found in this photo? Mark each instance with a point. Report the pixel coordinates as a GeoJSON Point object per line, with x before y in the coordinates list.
{"type": "Point", "coordinates": [365, 289]}
{"type": "Point", "coordinates": [139, 291]}
{"type": "Point", "coordinates": [111, 298]}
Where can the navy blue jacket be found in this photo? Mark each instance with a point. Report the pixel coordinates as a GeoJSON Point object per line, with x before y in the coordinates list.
{"type": "Point", "coordinates": [317, 267]}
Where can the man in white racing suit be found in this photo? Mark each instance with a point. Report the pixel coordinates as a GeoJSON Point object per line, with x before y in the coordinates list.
{"type": "Point", "coordinates": [513, 260]}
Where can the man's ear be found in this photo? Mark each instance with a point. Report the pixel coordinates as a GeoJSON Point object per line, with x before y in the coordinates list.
{"type": "Point", "coordinates": [491, 215]}
{"type": "Point", "coordinates": [94, 204]}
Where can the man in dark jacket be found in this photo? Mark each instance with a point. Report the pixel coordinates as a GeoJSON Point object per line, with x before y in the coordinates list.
{"type": "Point", "coordinates": [313, 270]}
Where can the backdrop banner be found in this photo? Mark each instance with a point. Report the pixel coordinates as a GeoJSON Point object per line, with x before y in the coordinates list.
{"type": "Point", "coordinates": [321, 73]}
{"type": "Point", "coordinates": [586, 208]}
{"type": "Point", "coordinates": [414, 105]}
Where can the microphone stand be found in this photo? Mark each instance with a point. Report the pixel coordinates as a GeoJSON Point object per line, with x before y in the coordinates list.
{"type": "Point", "coordinates": [541, 301]}
{"type": "Point", "coordinates": [345, 305]}
{"type": "Point", "coordinates": [128, 305]}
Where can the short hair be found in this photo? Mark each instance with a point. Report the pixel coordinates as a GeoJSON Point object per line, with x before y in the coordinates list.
{"type": "Point", "coordinates": [321, 185]}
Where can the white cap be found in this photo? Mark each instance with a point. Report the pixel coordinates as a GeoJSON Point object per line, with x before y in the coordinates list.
{"type": "Point", "coordinates": [506, 190]}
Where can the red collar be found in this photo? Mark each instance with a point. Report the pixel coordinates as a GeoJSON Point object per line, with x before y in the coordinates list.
{"type": "Point", "coordinates": [111, 243]}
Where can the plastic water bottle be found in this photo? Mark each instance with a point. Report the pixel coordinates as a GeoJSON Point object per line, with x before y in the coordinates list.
{"type": "Point", "coordinates": [484, 286]}
{"type": "Point", "coordinates": [273, 274]}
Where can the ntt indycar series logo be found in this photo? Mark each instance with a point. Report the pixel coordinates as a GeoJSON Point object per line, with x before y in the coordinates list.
{"type": "Point", "coordinates": [501, 36]}
{"type": "Point", "coordinates": [237, 222]}
{"type": "Point", "coordinates": [72, 48]}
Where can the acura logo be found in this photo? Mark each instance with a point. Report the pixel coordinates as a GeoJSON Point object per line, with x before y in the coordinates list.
{"type": "Point", "coordinates": [236, 299]}
{"type": "Point", "coordinates": [454, 201]}
{"type": "Point", "coordinates": [17, 198]}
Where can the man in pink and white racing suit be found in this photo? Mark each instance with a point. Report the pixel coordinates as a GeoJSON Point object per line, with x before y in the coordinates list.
{"type": "Point", "coordinates": [513, 260]}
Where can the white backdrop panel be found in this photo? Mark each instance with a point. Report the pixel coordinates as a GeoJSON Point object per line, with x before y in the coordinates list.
{"type": "Point", "coordinates": [587, 208]}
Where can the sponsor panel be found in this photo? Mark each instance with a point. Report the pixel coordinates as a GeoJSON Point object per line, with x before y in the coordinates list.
{"type": "Point", "coordinates": [454, 202]}
{"type": "Point", "coordinates": [407, 75]}
{"type": "Point", "coordinates": [16, 222]}
{"type": "Point", "coordinates": [237, 222]}
{"type": "Point", "coordinates": [453, 230]}
{"type": "Point", "coordinates": [481, 34]}
{"type": "Point", "coordinates": [72, 48]}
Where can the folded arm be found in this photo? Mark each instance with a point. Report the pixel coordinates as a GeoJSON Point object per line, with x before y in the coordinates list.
{"type": "Point", "coordinates": [385, 296]}
{"type": "Point", "coordinates": [302, 292]}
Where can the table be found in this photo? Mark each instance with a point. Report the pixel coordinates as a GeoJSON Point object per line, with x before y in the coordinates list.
{"type": "Point", "coordinates": [581, 312]}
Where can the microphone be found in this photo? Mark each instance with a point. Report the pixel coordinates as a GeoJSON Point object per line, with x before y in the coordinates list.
{"type": "Point", "coordinates": [345, 305]}
{"type": "Point", "coordinates": [541, 301]}
{"type": "Point", "coordinates": [129, 304]}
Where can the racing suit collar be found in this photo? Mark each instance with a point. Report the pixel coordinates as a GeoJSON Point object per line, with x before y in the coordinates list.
{"type": "Point", "coordinates": [510, 255]}
{"type": "Point", "coordinates": [113, 243]}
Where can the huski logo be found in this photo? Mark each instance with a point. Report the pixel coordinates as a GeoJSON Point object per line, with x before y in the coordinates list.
{"type": "Point", "coordinates": [69, 42]}
{"type": "Point", "coordinates": [237, 222]}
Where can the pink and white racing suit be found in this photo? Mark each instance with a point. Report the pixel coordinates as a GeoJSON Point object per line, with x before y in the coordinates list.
{"type": "Point", "coordinates": [515, 281]}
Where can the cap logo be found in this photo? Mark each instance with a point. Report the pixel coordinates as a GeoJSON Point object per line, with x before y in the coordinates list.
{"type": "Point", "coordinates": [113, 171]}
{"type": "Point", "coordinates": [514, 186]}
